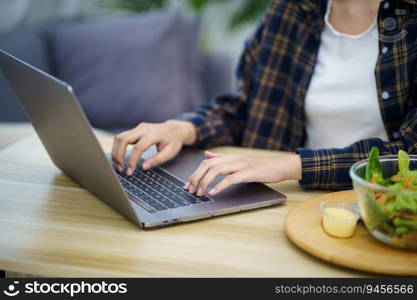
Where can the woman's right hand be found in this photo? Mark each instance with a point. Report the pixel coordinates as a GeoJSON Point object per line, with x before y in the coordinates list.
{"type": "Point", "coordinates": [168, 137]}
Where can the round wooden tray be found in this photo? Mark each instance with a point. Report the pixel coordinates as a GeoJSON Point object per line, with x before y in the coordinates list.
{"type": "Point", "coordinates": [361, 252]}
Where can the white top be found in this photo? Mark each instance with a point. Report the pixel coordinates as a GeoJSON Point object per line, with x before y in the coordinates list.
{"type": "Point", "coordinates": [341, 104]}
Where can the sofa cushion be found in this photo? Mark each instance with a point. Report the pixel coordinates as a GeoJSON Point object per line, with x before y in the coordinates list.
{"type": "Point", "coordinates": [28, 45]}
{"type": "Point", "coordinates": [129, 69]}
{"type": "Point", "coordinates": [216, 75]}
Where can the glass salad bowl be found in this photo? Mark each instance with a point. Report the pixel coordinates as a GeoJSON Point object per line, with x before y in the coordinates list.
{"type": "Point", "coordinates": [388, 207]}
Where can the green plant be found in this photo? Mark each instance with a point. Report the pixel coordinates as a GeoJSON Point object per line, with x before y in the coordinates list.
{"type": "Point", "coordinates": [248, 11]}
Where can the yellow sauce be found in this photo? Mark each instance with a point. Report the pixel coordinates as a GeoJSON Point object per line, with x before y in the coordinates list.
{"type": "Point", "coordinates": [339, 222]}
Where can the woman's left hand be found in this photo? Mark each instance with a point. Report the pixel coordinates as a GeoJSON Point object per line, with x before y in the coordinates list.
{"type": "Point", "coordinates": [242, 168]}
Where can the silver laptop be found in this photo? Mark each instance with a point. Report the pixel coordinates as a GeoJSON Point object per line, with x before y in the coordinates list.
{"type": "Point", "coordinates": [148, 198]}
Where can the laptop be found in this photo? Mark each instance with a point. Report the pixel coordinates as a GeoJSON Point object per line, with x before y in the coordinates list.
{"type": "Point", "coordinates": [149, 199]}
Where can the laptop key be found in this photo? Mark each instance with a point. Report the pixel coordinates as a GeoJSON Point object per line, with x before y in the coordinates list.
{"type": "Point", "coordinates": [204, 198]}
{"type": "Point", "coordinates": [152, 193]}
{"type": "Point", "coordinates": [169, 177]}
{"type": "Point", "coordinates": [153, 203]}
{"type": "Point", "coordinates": [188, 197]}
{"type": "Point", "coordinates": [158, 187]}
{"type": "Point", "coordinates": [158, 206]}
{"type": "Point", "coordinates": [177, 200]}
{"type": "Point", "coordinates": [165, 201]}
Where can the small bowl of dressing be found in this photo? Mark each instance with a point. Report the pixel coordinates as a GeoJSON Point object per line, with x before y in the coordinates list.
{"type": "Point", "coordinates": [339, 219]}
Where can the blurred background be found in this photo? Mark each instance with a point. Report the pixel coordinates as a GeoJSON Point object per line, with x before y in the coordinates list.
{"type": "Point", "coordinates": [129, 61]}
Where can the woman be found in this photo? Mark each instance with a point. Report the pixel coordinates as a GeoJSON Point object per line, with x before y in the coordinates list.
{"type": "Point", "coordinates": [327, 79]}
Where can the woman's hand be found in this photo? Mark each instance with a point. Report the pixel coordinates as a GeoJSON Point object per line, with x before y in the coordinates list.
{"type": "Point", "coordinates": [242, 168]}
{"type": "Point", "coordinates": [169, 137]}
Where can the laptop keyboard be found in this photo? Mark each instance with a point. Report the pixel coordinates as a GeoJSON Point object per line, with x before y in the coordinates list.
{"type": "Point", "coordinates": [158, 190]}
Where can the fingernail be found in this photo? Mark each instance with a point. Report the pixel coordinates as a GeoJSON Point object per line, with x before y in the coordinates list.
{"type": "Point", "coordinates": [119, 168]}
{"type": "Point", "coordinates": [186, 186]}
{"type": "Point", "coordinates": [146, 165]}
{"type": "Point", "coordinates": [212, 192]}
{"type": "Point", "coordinates": [129, 172]}
{"type": "Point", "coordinates": [191, 189]}
{"type": "Point", "coordinates": [200, 192]}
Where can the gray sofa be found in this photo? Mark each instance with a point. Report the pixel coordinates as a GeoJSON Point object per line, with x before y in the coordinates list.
{"type": "Point", "coordinates": [124, 70]}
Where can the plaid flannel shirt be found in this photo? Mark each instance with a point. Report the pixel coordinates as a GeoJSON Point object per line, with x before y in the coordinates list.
{"type": "Point", "coordinates": [274, 73]}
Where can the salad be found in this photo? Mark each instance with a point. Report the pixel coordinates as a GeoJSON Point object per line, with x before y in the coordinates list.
{"type": "Point", "coordinates": [395, 210]}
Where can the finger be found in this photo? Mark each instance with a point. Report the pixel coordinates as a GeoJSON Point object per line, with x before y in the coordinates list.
{"type": "Point", "coordinates": [209, 154]}
{"type": "Point", "coordinates": [162, 156]}
{"type": "Point", "coordinates": [137, 151]}
{"type": "Point", "coordinates": [212, 174]}
{"type": "Point", "coordinates": [195, 178]}
{"type": "Point", "coordinates": [113, 154]}
{"type": "Point", "coordinates": [120, 144]}
{"type": "Point", "coordinates": [198, 174]}
{"type": "Point", "coordinates": [228, 181]}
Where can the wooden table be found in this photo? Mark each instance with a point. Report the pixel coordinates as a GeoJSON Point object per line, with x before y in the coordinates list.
{"type": "Point", "coordinates": [50, 226]}
{"type": "Point", "coordinates": [12, 132]}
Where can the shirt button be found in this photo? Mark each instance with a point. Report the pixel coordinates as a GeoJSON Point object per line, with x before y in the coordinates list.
{"type": "Point", "coordinates": [384, 50]}
{"type": "Point", "coordinates": [385, 95]}
{"type": "Point", "coordinates": [386, 5]}
{"type": "Point", "coordinates": [389, 24]}
{"type": "Point", "coordinates": [396, 135]}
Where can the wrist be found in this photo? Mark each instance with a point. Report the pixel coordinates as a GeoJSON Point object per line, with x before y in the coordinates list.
{"type": "Point", "coordinates": [186, 130]}
{"type": "Point", "coordinates": [294, 170]}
